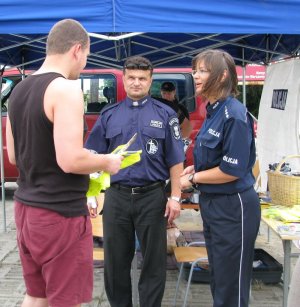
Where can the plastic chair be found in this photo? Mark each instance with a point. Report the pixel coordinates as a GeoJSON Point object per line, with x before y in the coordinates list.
{"type": "Point", "coordinates": [192, 254]}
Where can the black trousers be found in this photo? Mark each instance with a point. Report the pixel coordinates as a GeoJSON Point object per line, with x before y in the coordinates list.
{"type": "Point", "coordinates": [231, 224]}
{"type": "Point", "coordinates": [125, 214]}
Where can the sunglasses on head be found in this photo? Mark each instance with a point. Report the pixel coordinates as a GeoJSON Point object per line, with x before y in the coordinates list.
{"type": "Point", "coordinates": [141, 66]}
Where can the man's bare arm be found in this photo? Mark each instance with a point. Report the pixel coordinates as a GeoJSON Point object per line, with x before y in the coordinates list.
{"type": "Point", "coordinates": [173, 207]}
{"type": "Point", "coordinates": [63, 104]}
{"type": "Point", "coordinates": [175, 172]}
{"type": "Point", "coordinates": [10, 143]}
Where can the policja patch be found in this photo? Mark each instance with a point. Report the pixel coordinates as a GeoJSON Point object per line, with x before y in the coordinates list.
{"type": "Point", "coordinates": [156, 123]}
{"type": "Point", "coordinates": [174, 123]}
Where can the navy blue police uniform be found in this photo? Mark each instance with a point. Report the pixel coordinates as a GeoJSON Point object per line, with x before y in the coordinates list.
{"type": "Point", "coordinates": [136, 200]}
{"type": "Point", "coordinates": [230, 211]}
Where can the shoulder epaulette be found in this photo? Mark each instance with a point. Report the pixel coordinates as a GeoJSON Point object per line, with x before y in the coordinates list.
{"type": "Point", "coordinates": [157, 102]}
{"type": "Point", "coordinates": [235, 109]}
{"type": "Point", "coordinates": [108, 107]}
{"type": "Point", "coordinates": [163, 105]}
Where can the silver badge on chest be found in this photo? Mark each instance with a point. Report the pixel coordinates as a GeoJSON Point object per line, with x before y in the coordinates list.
{"type": "Point", "coordinates": [152, 146]}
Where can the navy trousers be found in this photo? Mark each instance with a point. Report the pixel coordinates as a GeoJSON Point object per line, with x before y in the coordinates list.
{"type": "Point", "coordinates": [125, 214]}
{"type": "Point", "coordinates": [231, 224]}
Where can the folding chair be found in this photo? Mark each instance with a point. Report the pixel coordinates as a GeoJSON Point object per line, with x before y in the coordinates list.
{"type": "Point", "coordinates": [192, 254]}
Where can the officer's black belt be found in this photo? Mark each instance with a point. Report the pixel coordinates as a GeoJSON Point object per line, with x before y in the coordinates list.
{"type": "Point", "coordinates": [139, 189]}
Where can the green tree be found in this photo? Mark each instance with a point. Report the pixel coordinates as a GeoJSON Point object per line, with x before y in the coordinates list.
{"type": "Point", "coordinates": [253, 95]}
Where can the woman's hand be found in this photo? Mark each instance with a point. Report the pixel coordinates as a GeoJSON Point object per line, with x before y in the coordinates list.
{"type": "Point", "coordinates": [188, 170]}
{"type": "Point", "coordinates": [184, 182]}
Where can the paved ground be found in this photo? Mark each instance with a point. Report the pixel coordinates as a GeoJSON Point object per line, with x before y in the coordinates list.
{"type": "Point", "coordinates": [12, 287]}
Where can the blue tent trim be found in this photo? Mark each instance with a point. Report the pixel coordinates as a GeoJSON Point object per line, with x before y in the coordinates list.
{"type": "Point", "coordinates": [189, 16]}
{"type": "Point", "coordinates": [170, 32]}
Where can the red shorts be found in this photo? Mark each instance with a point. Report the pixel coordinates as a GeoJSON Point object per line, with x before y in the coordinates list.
{"type": "Point", "coordinates": [56, 255]}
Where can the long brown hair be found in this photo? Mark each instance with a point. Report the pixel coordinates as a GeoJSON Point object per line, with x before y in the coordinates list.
{"type": "Point", "coordinates": [222, 81]}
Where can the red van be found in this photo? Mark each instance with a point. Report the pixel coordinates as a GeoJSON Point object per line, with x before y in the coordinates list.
{"type": "Point", "coordinates": [104, 86]}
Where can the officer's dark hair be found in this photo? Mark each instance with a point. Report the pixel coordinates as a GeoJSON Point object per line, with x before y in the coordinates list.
{"type": "Point", "coordinates": [138, 62]}
{"type": "Point", "coordinates": [222, 80]}
{"type": "Point", "coordinates": [64, 35]}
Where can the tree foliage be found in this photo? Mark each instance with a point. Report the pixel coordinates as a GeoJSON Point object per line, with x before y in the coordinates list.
{"type": "Point", "coordinates": [253, 95]}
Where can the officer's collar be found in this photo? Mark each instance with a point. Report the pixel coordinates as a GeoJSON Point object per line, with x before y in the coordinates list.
{"type": "Point", "coordinates": [137, 103]}
{"type": "Point", "coordinates": [212, 108]}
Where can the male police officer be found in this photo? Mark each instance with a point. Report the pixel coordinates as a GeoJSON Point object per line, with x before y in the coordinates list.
{"type": "Point", "coordinates": [136, 201]}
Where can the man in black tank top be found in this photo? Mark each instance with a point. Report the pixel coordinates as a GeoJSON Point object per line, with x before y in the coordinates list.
{"type": "Point", "coordinates": [44, 135]}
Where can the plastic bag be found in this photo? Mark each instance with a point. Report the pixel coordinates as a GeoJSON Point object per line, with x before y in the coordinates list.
{"type": "Point", "coordinates": [172, 235]}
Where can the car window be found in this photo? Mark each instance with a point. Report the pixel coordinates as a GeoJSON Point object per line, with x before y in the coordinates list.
{"type": "Point", "coordinates": [7, 85]}
{"type": "Point", "coordinates": [184, 87]}
{"type": "Point", "coordinates": [99, 90]}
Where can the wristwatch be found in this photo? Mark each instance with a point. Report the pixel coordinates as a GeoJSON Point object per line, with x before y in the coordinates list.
{"type": "Point", "coordinates": [191, 178]}
{"type": "Point", "coordinates": [178, 199]}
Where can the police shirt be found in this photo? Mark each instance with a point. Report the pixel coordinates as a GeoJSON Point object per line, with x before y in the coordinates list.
{"type": "Point", "coordinates": [158, 135]}
{"type": "Point", "coordinates": [226, 140]}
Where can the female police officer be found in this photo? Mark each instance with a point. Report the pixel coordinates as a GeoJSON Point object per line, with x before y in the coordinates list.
{"type": "Point", "coordinates": [224, 155]}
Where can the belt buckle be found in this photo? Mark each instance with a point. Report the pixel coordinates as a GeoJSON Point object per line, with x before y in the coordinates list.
{"type": "Point", "coordinates": [133, 190]}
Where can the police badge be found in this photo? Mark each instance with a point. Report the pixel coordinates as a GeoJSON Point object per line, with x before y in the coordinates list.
{"type": "Point", "coordinates": [174, 123]}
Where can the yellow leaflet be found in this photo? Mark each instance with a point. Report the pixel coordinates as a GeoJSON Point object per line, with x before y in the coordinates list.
{"type": "Point", "coordinates": [283, 214]}
{"type": "Point", "coordinates": [101, 183]}
{"type": "Point", "coordinates": [96, 185]}
{"type": "Point", "coordinates": [130, 158]}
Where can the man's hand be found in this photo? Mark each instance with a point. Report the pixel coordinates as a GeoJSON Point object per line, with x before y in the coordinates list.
{"type": "Point", "coordinates": [92, 206]}
{"type": "Point", "coordinates": [113, 163]}
{"type": "Point", "coordinates": [172, 210]}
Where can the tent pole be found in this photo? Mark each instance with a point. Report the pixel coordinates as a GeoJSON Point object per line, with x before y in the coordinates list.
{"type": "Point", "coordinates": [244, 85]}
{"type": "Point", "coordinates": [244, 79]}
{"type": "Point", "coordinates": [3, 229]}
